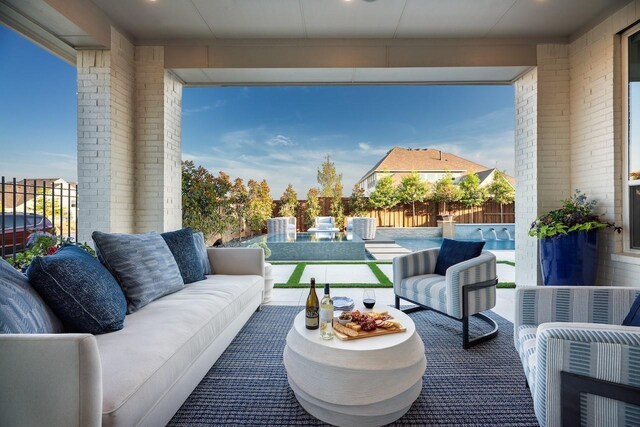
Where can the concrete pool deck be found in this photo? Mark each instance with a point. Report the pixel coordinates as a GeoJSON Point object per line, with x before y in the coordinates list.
{"type": "Point", "coordinates": [361, 273]}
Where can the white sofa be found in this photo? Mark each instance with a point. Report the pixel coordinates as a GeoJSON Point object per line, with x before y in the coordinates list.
{"type": "Point", "coordinates": [140, 375]}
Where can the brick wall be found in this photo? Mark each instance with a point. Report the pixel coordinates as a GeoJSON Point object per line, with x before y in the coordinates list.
{"type": "Point", "coordinates": [158, 143]}
{"type": "Point", "coordinates": [94, 148]}
{"type": "Point", "coordinates": [129, 140]}
{"type": "Point", "coordinates": [172, 151]}
{"type": "Point", "coordinates": [122, 134]}
{"type": "Point", "coordinates": [526, 139]}
{"type": "Point", "coordinates": [596, 138]}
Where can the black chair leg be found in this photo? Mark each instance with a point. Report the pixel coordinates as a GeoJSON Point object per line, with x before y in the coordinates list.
{"type": "Point", "coordinates": [397, 302]}
{"type": "Point", "coordinates": [468, 343]}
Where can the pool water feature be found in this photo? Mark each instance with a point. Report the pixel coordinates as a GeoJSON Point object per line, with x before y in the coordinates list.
{"type": "Point", "coordinates": [312, 246]}
{"type": "Point", "coordinates": [436, 242]}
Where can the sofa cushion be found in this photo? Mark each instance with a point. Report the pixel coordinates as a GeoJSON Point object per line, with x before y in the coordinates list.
{"type": "Point", "coordinates": [141, 263]}
{"type": "Point", "coordinates": [183, 248]}
{"type": "Point", "coordinates": [83, 293]}
{"type": "Point", "coordinates": [160, 342]}
{"type": "Point", "coordinates": [22, 309]}
{"type": "Point", "coordinates": [633, 318]}
{"type": "Point", "coordinates": [201, 247]}
{"type": "Point", "coordinates": [453, 252]}
{"type": "Point", "coordinates": [427, 289]}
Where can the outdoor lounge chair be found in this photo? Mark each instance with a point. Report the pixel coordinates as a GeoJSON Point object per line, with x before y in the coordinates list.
{"type": "Point", "coordinates": [324, 222]}
{"type": "Point", "coordinates": [467, 289]}
{"type": "Point", "coordinates": [579, 362]}
{"type": "Point", "coordinates": [281, 225]}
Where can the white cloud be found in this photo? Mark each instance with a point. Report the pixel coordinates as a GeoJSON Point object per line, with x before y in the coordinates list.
{"type": "Point", "coordinates": [364, 146]}
{"type": "Point", "coordinates": [190, 111]}
{"type": "Point", "coordinates": [239, 138]}
{"type": "Point", "coordinates": [280, 140]}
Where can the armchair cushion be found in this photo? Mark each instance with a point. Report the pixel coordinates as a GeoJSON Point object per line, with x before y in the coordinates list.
{"type": "Point", "coordinates": [633, 318]}
{"type": "Point", "coordinates": [427, 289]}
{"type": "Point", "coordinates": [454, 252]}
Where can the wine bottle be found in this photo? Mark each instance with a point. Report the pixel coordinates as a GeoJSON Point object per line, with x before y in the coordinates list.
{"type": "Point", "coordinates": [312, 308]}
{"type": "Point", "coordinates": [326, 315]}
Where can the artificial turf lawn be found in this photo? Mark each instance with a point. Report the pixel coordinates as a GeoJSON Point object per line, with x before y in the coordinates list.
{"type": "Point", "coordinates": [384, 282]}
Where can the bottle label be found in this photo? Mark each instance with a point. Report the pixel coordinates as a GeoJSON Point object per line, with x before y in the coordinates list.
{"type": "Point", "coordinates": [326, 315]}
{"type": "Point", "coordinates": [312, 317]}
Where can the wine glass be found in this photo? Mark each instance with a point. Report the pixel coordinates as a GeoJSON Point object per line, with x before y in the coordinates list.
{"type": "Point", "coordinates": [369, 298]}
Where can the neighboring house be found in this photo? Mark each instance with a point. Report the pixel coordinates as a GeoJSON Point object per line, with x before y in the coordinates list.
{"type": "Point", "coordinates": [64, 192]}
{"type": "Point", "coordinates": [429, 163]}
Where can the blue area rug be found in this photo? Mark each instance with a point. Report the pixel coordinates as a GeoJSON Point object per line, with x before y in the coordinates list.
{"type": "Point", "coordinates": [248, 384]}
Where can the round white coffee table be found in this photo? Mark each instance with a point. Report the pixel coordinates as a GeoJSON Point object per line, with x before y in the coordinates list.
{"type": "Point", "coordinates": [366, 382]}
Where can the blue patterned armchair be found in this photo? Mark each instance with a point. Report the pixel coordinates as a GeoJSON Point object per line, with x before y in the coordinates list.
{"type": "Point", "coordinates": [467, 289]}
{"type": "Point", "coordinates": [581, 366]}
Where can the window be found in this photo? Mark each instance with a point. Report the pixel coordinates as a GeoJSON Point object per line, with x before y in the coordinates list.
{"type": "Point", "coordinates": [631, 135]}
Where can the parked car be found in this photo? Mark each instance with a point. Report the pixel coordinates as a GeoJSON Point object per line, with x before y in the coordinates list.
{"type": "Point", "coordinates": [18, 240]}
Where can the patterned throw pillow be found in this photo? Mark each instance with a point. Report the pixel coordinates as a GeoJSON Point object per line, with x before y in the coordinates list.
{"type": "Point", "coordinates": [201, 247]}
{"type": "Point", "coordinates": [184, 251]}
{"type": "Point", "coordinates": [22, 310]}
{"type": "Point", "coordinates": [83, 294]}
{"type": "Point", "coordinates": [141, 263]}
{"type": "Point", "coordinates": [453, 252]}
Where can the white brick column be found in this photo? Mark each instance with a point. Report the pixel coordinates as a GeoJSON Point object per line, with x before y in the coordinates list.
{"type": "Point", "coordinates": [129, 140]}
{"type": "Point", "coordinates": [158, 143]}
{"type": "Point", "coordinates": [105, 138]}
{"type": "Point", "coordinates": [543, 150]}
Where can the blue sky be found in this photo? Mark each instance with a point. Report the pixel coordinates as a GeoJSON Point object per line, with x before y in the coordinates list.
{"type": "Point", "coordinates": [277, 133]}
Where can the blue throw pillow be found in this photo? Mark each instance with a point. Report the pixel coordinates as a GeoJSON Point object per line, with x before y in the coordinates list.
{"type": "Point", "coordinates": [201, 247]}
{"type": "Point", "coordinates": [141, 263]}
{"type": "Point", "coordinates": [22, 310]}
{"type": "Point", "coordinates": [633, 318]}
{"type": "Point", "coordinates": [183, 248]}
{"type": "Point", "coordinates": [83, 294]}
{"type": "Point", "coordinates": [453, 252]}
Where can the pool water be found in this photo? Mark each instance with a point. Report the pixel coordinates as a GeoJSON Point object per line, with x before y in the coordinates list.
{"type": "Point", "coordinates": [417, 244]}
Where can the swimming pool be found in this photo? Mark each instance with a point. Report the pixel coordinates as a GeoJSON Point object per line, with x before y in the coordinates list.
{"type": "Point", "coordinates": [312, 246]}
{"type": "Point", "coordinates": [435, 242]}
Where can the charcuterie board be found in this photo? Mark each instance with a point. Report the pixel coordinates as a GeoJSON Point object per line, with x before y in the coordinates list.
{"type": "Point", "coordinates": [365, 334]}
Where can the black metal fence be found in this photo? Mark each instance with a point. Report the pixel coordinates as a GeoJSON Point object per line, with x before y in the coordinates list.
{"type": "Point", "coordinates": [32, 207]}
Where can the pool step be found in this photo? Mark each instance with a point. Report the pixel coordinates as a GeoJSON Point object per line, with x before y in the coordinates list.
{"type": "Point", "coordinates": [385, 250]}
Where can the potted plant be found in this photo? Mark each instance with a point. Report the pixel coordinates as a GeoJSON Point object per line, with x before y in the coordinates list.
{"type": "Point", "coordinates": [569, 242]}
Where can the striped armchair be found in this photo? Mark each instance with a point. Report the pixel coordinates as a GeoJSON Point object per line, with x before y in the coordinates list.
{"type": "Point", "coordinates": [467, 289]}
{"type": "Point", "coordinates": [581, 366]}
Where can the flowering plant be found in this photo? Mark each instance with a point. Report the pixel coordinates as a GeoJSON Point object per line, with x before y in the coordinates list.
{"type": "Point", "coordinates": [576, 214]}
{"type": "Point", "coordinates": [42, 245]}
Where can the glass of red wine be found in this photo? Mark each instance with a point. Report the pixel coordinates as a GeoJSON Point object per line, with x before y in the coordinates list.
{"type": "Point", "coordinates": [369, 298]}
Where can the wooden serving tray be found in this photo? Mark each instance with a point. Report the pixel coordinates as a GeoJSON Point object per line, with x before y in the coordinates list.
{"type": "Point", "coordinates": [364, 334]}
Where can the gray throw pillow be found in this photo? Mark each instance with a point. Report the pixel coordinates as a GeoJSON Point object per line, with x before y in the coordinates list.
{"type": "Point", "coordinates": [141, 263]}
{"type": "Point", "coordinates": [22, 310]}
{"type": "Point", "coordinates": [201, 247]}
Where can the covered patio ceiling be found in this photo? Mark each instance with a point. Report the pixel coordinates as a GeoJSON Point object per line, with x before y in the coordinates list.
{"type": "Point", "coordinates": [227, 42]}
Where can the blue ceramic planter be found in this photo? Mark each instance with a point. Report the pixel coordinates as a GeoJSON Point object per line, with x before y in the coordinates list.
{"type": "Point", "coordinates": [570, 259]}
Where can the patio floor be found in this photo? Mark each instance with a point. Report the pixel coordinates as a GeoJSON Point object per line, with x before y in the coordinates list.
{"type": "Point", "coordinates": [341, 273]}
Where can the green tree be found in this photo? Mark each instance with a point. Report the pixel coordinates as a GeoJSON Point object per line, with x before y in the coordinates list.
{"type": "Point", "coordinates": [259, 205]}
{"type": "Point", "coordinates": [384, 196]}
{"type": "Point", "coordinates": [239, 197]}
{"type": "Point", "coordinates": [313, 207]}
{"type": "Point", "coordinates": [198, 198]}
{"type": "Point", "coordinates": [51, 204]}
{"type": "Point", "coordinates": [289, 201]}
{"type": "Point", "coordinates": [336, 209]}
{"type": "Point", "coordinates": [501, 191]}
{"type": "Point", "coordinates": [329, 179]}
{"type": "Point", "coordinates": [412, 189]}
{"type": "Point", "coordinates": [472, 194]}
{"type": "Point", "coordinates": [445, 191]}
{"type": "Point", "coordinates": [358, 204]}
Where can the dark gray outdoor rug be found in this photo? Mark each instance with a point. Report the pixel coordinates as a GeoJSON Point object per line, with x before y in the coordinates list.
{"type": "Point", "coordinates": [248, 385]}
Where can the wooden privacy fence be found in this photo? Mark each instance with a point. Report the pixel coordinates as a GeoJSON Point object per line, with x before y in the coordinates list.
{"type": "Point", "coordinates": [401, 215]}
